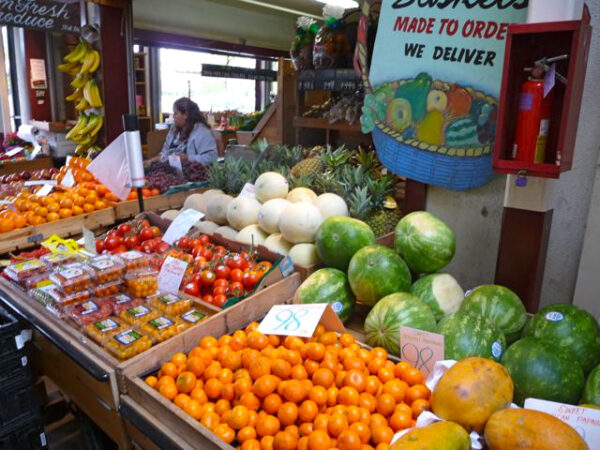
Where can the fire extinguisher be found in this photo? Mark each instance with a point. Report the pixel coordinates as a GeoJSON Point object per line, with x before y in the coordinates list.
{"type": "Point", "coordinates": [534, 112]}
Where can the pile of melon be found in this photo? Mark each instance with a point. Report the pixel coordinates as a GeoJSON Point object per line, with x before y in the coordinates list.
{"type": "Point", "coordinates": [281, 220]}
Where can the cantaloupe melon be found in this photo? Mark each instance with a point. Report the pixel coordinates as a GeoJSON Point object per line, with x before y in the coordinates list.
{"type": "Point", "coordinates": [301, 194]}
{"type": "Point", "coordinates": [270, 185]}
{"type": "Point", "coordinates": [277, 244]}
{"type": "Point", "coordinates": [252, 234]}
{"type": "Point", "coordinates": [304, 254]}
{"type": "Point", "coordinates": [216, 209]}
{"type": "Point", "coordinates": [299, 222]}
{"type": "Point", "coordinates": [269, 214]}
{"type": "Point", "coordinates": [331, 205]}
{"type": "Point", "coordinates": [242, 211]}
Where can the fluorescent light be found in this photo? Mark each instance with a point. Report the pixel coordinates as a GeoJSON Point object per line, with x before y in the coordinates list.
{"type": "Point", "coordinates": [348, 4]}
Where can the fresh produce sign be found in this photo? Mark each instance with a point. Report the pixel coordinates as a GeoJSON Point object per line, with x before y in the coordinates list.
{"type": "Point", "coordinates": [439, 90]}
{"type": "Point", "coordinates": [45, 15]}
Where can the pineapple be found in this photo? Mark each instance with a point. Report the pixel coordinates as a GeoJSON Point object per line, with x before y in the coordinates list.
{"type": "Point", "coordinates": [309, 166]}
{"type": "Point", "coordinates": [300, 181]}
{"type": "Point", "coordinates": [382, 220]}
{"type": "Point", "coordinates": [237, 173]}
{"type": "Point", "coordinates": [328, 182]}
{"type": "Point", "coordinates": [217, 176]}
{"type": "Point", "coordinates": [335, 160]}
{"type": "Point", "coordinates": [360, 203]}
{"type": "Point", "coordinates": [366, 159]}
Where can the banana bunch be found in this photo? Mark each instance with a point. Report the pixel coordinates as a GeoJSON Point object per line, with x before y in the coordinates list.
{"type": "Point", "coordinates": [85, 131]}
{"type": "Point", "coordinates": [91, 93]}
{"type": "Point", "coordinates": [79, 52]}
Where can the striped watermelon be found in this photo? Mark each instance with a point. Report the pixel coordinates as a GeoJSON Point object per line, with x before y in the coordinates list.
{"type": "Point", "coordinates": [569, 328]}
{"type": "Point", "coordinates": [591, 390]}
{"type": "Point", "coordinates": [382, 325]}
{"type": "Point", "coordinates": [441, 292]}
{"type": "Point", "coordinates": [467, 334]}
{"type": "Point", "coordinates": [462, 133]}
{"type": "Point", "coordinates": [425, 242]}
{"type": "Point", "coordinates": [498, 304]}
{"type": "Point", "coordinates": [541, 370]}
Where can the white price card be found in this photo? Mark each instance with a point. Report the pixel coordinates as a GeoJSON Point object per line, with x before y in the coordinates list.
{"type": "Point", "coordinates": [68, 180]}
{"type": "Point", "coordinates": [170, 275]}
{"type": "Point", "coordinates": [9, 205]}
{"type": "Point", "coordinates": [44, 190]}
{"type": "Point", "coordinates": [175, 163]}
{"type": "Point", "coordinates": [421, 349]}
{"type": "Point", "coordinates": [14, 151]}
{"type": "Point", "coordinates": [248, 191]}
{"type": "Point", "coordinates": [36, 149]}
{"type": "Point", "coordinates": [181, 225]}
{"type": "Point", "coordinates": [586, 421]}
{"type": "Point", "coordinates": [38, 182]}
{"type": "Point", "coordinates": [300, 320]}
{"type": "Point", "coordinates": [89, 240]}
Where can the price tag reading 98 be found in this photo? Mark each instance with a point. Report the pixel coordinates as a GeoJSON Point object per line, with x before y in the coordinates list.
{"type": "Point", "coordinates": [421, 349]}
{"type": "Point", "coordinates": [292, 320]}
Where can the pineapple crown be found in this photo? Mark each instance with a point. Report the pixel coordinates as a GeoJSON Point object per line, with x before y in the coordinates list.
{"type": "Point", "coordinates": [360, 203]}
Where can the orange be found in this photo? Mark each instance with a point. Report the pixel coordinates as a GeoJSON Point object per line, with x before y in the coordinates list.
{"type": "Point", "coordinates": [267, 425]}
{"type": "Point", "coordinates": [250, 444]}
{"type": "Point", "coordinates": [265, 385]}
{"type": "Point", "coordinates": [52, 207]}
{"type": "Point", "coordinates": [400, 420]}
{"type": "Point", "coordinates": [418, 406]}
{"type": "Point", "coordinates": [336, 424]}
{"type": "Point", "coordinates": [224, 432]}
{"type": "Point", "coordinates": [208, 341]}
{"type": "Point", "coordinates": [239, 417]}
{"type": "Point", "coordinates": [315, 351]}
{"type": "Point", "coordinates": [330, 364]}
{"type": "Point", "coordinates": [199, 395]}
{"type": "Point", "coordinates": [364, 355]}
{"type": "Point", "coordinates": [193, 409]}
{"type": "Point", "coordinates": [417, 391]}
{"type": "Point", "coordinates": [328, 338]}
{"type": "Point", "coordinates": [363, 431]}
{"type": "Point", "coordinates": [52, 216]}
{"type": "Point", "coordinates": [379, 352]}
{"type": "Point", "coordinates": [320, 422]}
{"type": "Point", "coordinates": [195, 365]}
{"type": "Point", "coordinates": [210, 420]}
{"type": "Point", "coordinates": [377, 420]}
{"type": "Point", "coordinates": [266, 443]}
{"type": "Point", "coordinates": [293, 343]}
{"type": "Point", "coordinates": [179, 358]}
{"type": "Point", "coordinates": [246, 433]}
{"type": "Point", "coordinates": [400, 368]}
{"type": "Point", "coordinates": [319, 440]}
{"type": "Point", "coordinates": [213, 388]}
{"type": "Point", "coordinates": [294, 391]}
{"type": "Point", "coordinates": [284, 440]}
{"type": "Point", "coordinates": [91, 198]}
{"type": "Point", "coordinates": [232, 361]}
{"type": "Point", "coordinates": [101, 190]}
{"type": "Point", "coordinates": [212, 371]}
{"type": "Point", "coordinates": [250, 401]}
{"type": "Point", "coordinates": [259, 367]}
{"type": "Point", "coordinates": [88, 208]}
{"type": "Point", "coordinates": [385, 405]}
{"type": "Point", "coordinates": [375, 364]}
{"type": "Point", "coordinates": [165, 379]}
{"type": "Point", "coordinates": [241, 386]}
{"type": "Point", "coordinates": [77, 210]}
{"type": "Point", "coordinates": [41, 211]}
{"type": "Point", "coordinates": [355, 379]}
{"type": "Point", "coordinates": [257, 340]}
{"type": "Point", "coordinates": [311, 367]}
{"type": "Point", "coordinates": [305, 429]}
{"type": "Point", "coordinates": [227, 392]}
{"type": "Point", "coordinates": [368, 401]}
{"type": "Point", "coordinates": [272, 403]}
{"type": "Point", "coordinates": [35, 220]}
{"type": "Point", "coordinates": [181, 400]}
{"type": "Point", "coordinates": [308, 411]}
{"type": "Point", "coordinates": [238, 340]}
{"type": "Point", "coordinates": [323, 377]}
{"type": "Point", "coordinates": [353, 363]}
{"type": "Point", "coordinates": [186, 381]}
{"type": "Point", "coordinates": [332, 396]}
{"type": "Point", "coordinates": [396, 388]}
{"type": "Point", "coordinates": [372, 385]}
{"type": "Point", "coordinates": [222, 406]}
{"type": "Point", "coordinates": [288, 413]}
{"type": "Point", "coordinates": [78, 200]}
{"type": "Point", "coordinates": [385, 374]}
{"type": "Point", "coordinates": [19, 221]}
{"type": "Point", "coordinates": [318, 394]}
{"type": "Point", "coordinates": [7, 225]}
{"type": "Point", "coordinates": [66, 203]}
{"type": "Point", "coordinates": [348, 396]}
{"type": "Point", "coordinates": [353, 414]}
{"type": "Point", "coordinates": [168, 390]}
{"type": "Point", "coordinates": [349, 440]}
{"type": "Point", "coordinates": [281, 368]}
{"type": "Point", "coordinates": [169, 369]}
{"type": "Point", "coordinates": [299, 372]}
{"type": "Point", "coordinates": [381, 435]}
{"type": "Point", "coordinates": [412, 376]}
{"type": "Point", "coordinates": [151, 381]}
{"type": "Point", "coordinates": [225, 376]}
{"type": "Point", "coordinates": [100, 204]}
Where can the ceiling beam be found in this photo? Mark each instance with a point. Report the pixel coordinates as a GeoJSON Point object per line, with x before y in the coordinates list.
{"type": "Point", "coordinates": [281, 8]}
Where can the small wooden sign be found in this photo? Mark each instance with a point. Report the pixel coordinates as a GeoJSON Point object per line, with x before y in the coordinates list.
{"type": "Point", "coordinates": [300, 320]}
{"type": "Point", "coordinates": [44, 15]}
{"type": "Point", "coordinates": [421, 349]}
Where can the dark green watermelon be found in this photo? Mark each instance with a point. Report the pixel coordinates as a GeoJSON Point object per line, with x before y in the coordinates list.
{"type": "Point", "coordinates": [569, 328]}
{"type": "Point", "coordinates": [376, 271]}
{"type": "Point", "coordinates": [498, 304]}
{"type": "Point", "coordinates": [591, 391]}
{"type": "Point", "coordinates": [425, 242]}
{"type": "Point", "coordinates": [328, 286]}
{"type": "Point", "coordinates": [339, 238]}
{"type": "Point", "coordinates": [467, 334]}
{"type": "Point", "coordinates": [541, 370]}
{"type": "Point", "coordinates": [382, 325]}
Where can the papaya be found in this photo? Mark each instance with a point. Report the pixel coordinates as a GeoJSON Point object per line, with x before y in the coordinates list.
{"type": "Point", "coordinates": [471, 391]}
{"type": "Point", "coordinates": [525, 428]}
{"type": "Point", "coordinates": [439, 436]}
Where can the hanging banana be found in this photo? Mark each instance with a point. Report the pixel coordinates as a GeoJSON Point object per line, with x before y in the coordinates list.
{"type": "Point", "coordinates": [82, 105]}
{"type": "Point", "coordinates": [82, 122]}
{"type": "Point", "coordinates": [75, 96]}
{"type": "Point", "coordinates": [91, 93]}
{"type": "Point", "coordinates": [78, 53]}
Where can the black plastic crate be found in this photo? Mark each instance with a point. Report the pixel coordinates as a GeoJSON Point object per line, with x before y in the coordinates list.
{"type": "Point", "coordinates": [28, 437]}
{"type": "Point", "coordinates": [19, 403]}
{"type": "Point", "coordinates": [9, 330]}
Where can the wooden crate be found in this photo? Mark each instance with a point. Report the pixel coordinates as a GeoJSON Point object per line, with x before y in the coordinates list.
{"type": "Point", "coordinates": [41, 162]}
{"type": "Point", "coordinates": [30, 236]}
{"type": "Point", "coordinates": [159, 203]}
{"type": "Point", "coordinates": [171, 418]}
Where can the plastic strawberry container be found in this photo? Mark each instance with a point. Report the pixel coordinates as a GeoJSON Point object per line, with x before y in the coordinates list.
{"type": "Point", "coordinates": [189, 319]}
{"type": "Point", "coordinates": [170, 304]}
{"type": "Point", "coordinates": [121, 302]}
{"type": "Point", "coordinates": [142, 283]}
{"type": "Point", "coordinates": [105, 329]}
{"type": "Point", "coordinates": [136, 315]}
{"type": "Point", "coordinates": [72, 278]}
{"type": "Point", "coordinates": [134, 260]}
{"type": "Point", "coordinates": [106, 268]}
{"type": "Point", "coordinates": [52, 294]}
{"type": "Point", "coordinates": [89, 311]}
{"type": "Point", "coordinates": [55, 260]}
{"type": "Point", "coordinates": [107, 289]}
{"type": "Point", "coordinates": [160, 328]}
{"type": "Point", "coordinates": [21, 271]}
{"type": "Point", "coordinates": [127, 344]}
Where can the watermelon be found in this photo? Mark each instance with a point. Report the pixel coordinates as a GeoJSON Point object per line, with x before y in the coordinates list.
{"type": "Point", "coordinates": [441, 292]}
{"type": "Point", "coordinates": [376, 271]}
{"type": "Point", "coordinates": [468, 334]}
{"type": "Point", "coordinates": [328, 286]}
{"type": "Point", "coordinates": [498, 304]}
{"type": "Point", "coordinates": [572, 329]}
{"type": "Point", "coordinates": [382, 325]}
{"type": "Point", "coordinates": [541, 370]}
{"type": "Point", "coordinates": [339, 238]}
{"type": "Point", "coordinates": [591, 390]}
{"type": "Point", "coordinates": [425, 242]}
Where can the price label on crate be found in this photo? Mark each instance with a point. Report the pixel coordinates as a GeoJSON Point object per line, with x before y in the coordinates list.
{"type": "Point", "coordinates": [421, 349]}
{"type": "Point", "coordinates": [38, 182]}
{"type": "Point", "coordinates": [300, 320]}
{"type": "Point", "coordinates": [181, 225]}
{"type": "Point", "coordinates": [44, 190]}
{"type": "Point", "coordinates": [586, 421]}
{"type": "Point", "coordinates": [68, 180]}
{"type": "Point", "coordinates": [170, 275]}
{"type": "Point", "coordinates": [89, 240]}
{"type": "Point", "coordinates": [286, 266]}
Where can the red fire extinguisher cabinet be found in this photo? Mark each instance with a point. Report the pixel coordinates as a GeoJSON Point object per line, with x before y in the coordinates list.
{"type": "Point", "coordinates": [524, 45]}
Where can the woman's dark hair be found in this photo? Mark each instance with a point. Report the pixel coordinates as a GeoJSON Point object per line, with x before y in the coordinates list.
{"type": "Point", "coordinates": [186, 106]}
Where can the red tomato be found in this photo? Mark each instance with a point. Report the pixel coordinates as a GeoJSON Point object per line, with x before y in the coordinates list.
{"type": "Point", "coordinates": [131, 241]}
{"type": "Point", "coordinates": [264, 266]}
{"type": "Point", "coordinates": [144, 223]}
{"type": "Point", "coordinates": [233, 262]}
{"type": "Point", "coordinates": [196, 250]}
{"type": "Point", "coordinates": [250, 279]}
{"type": "Point", "coordinates": [219, 300]}
{"type": "Point", "coordinates": [184, 242]}
{"type": "Point", "coordinates": [222, 272]}
{"type": "Point", "coordinates": [112, 233]}
{"type": "Point", "coordinates": [156, 231]}
{"type": "Point", "coordinates": [219, 290]}
{"type": "Point", "coordinates": [146, 234]}
{"type": "Point", "coordinates": [99, 246]}
{"type": "Point", "coordinates": [110, 243]}
{"type": "Point", "coordinates": [200, 262]}
{"type": "Point", "coordinates": [204, 239]}
{"type": "Point", "coordinates": [220, 282]}
{"type": "Point", "coordinates": [236, 275]}
{"type": "Point", "coordinates": [123, 229]}
{"type": "Point", "coordinates": [162, 246]}
{"type": "Point", "coordinates": [192, 289]}
{"type": "Point", "coordinates": [207, 298]}
{"type": "Point", "coordinates": [208, 277]}
{"type": "Point", "coordinates": [235, 289]}
{"type": "Point", "coordinates": [220, 250]}
{"type": "Point", "coordinates": [206, 253]}
{"type": "Point", "coordinates": [120, 249]}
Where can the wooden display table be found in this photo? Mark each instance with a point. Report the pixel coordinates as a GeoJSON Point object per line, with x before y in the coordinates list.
{"type": "Point", "coordinates": [41, 162]}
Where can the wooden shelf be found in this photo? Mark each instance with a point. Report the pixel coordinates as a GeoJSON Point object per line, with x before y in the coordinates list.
{"type": "Point", "coordinates": [323, 124]}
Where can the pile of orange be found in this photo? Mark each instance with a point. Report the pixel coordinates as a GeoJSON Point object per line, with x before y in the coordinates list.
{"type": "Point", "coordinates": [264, 392]}
{"type": "Point", "coordinates": [146, 192]}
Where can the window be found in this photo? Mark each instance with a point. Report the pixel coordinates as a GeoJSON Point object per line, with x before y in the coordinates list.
{"type": "Point", "coordinates": [8, 102]}
{"type": "Point", "coordinates": [181, 75]}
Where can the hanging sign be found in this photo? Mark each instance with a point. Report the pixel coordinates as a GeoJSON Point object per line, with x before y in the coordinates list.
{"type": "Point", "coordinates": [436, 71]}
{"type": "Point", "coordinates": [44, 15]}
{"type": "Point", "coordinates": [243, 73]}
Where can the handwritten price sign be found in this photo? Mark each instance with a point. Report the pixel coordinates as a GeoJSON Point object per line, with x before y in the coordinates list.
{"type": "Point", "coordinates": [299, 320]}
{"type": "Point", "coordinates": [421, 349]}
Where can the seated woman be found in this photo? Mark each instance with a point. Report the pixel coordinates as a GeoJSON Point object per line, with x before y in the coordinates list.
{"type": "Point", "coordinates": [190, 137]}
